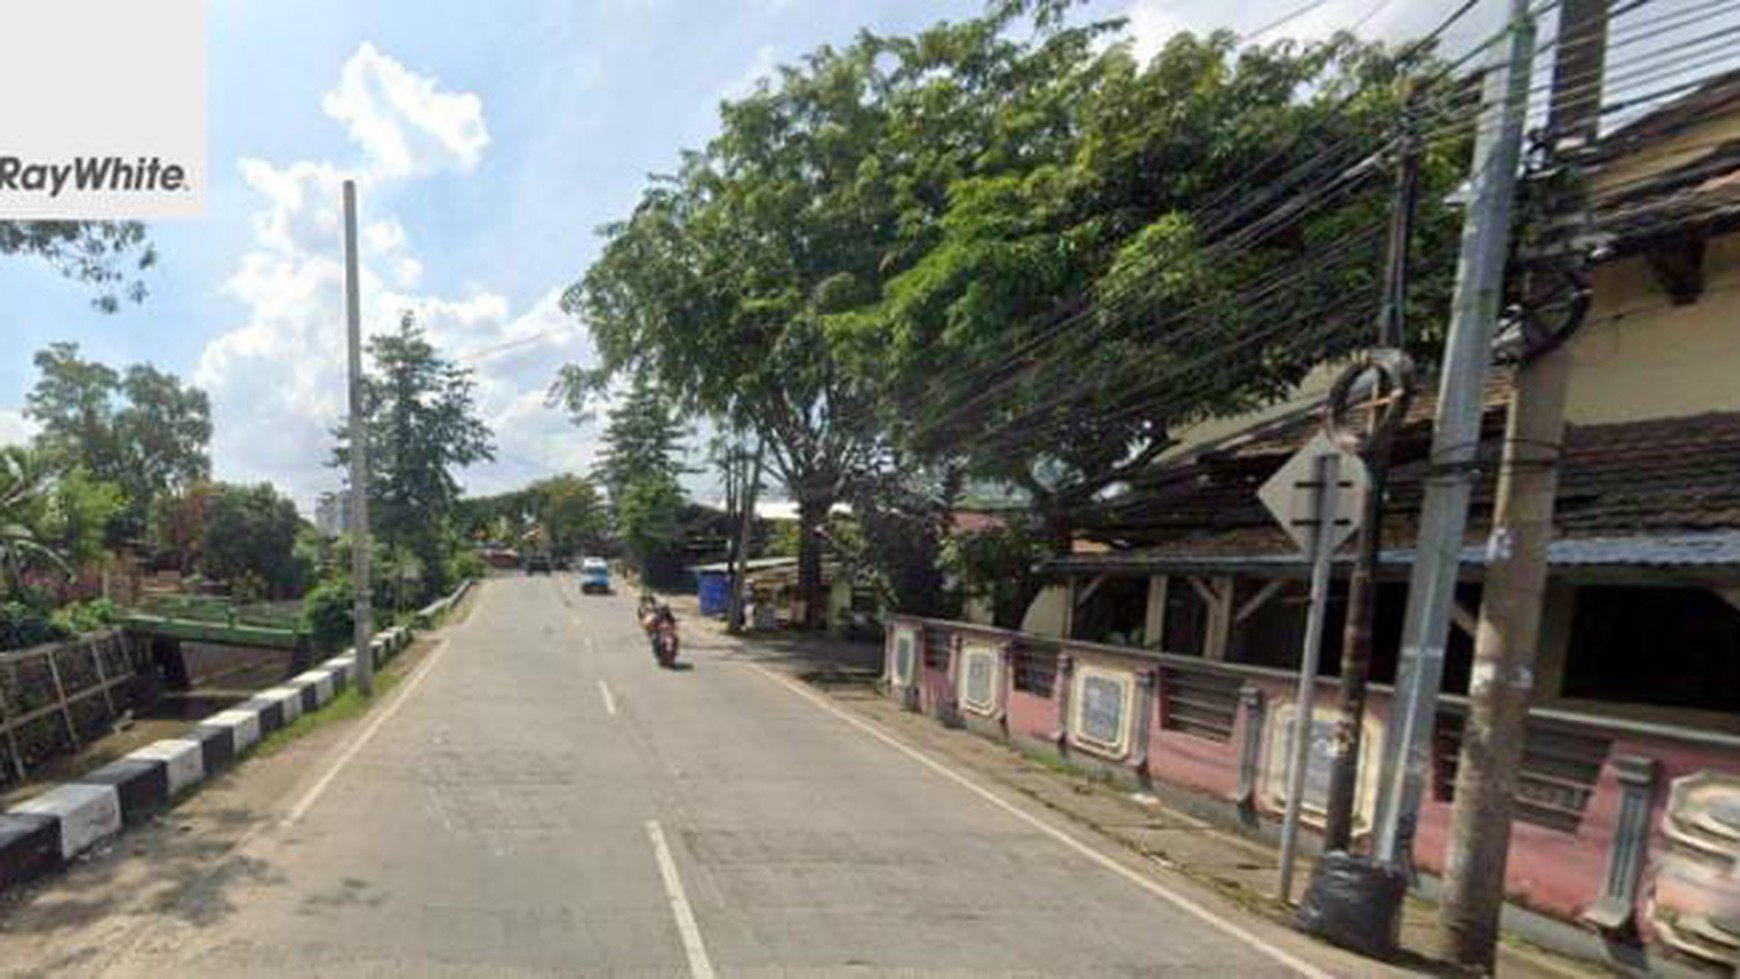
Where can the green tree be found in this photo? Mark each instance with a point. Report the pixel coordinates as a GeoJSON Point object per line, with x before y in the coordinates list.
{"type": "Point", "coordinates": [649, 524]}
{"type": "Point", "coordinates": [108, 255]}
{"type": "Point", "coordinates": [422, 424]}
{"type": "Point", "coordinates": [248, 539]}
{"type": "Point", "coordinates": [25, 491]}
{"type": "Point", "coordinates": [569, 508]}
{"type": "Point", "coordinates": [141, 429]}
{"type": "Point", "coordinates": [643, 439]}
{"type": "Point", "coordinates": [81, 509]}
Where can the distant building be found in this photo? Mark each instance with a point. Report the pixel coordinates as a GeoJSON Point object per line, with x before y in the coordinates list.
{"type": "Point", "coordinates": [332, 513]}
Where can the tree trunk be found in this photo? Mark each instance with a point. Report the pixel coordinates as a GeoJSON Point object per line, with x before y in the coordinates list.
{"type": "Point", "coordinates": [812, 517]}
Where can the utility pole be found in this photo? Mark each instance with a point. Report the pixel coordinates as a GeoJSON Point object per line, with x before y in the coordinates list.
{"type": "Point", "coordinates": [1356, 637]}
{"type": "Point", "coordinates": [740, 548]}
{"type": "Point", "coordinates": [359, 464]}
{"type": "Point", "coordinates": [1455, 436]}
{"type": "Point", "coordinates": [1508, 637]}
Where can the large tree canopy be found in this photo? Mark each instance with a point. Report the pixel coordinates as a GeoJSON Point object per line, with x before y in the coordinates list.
{"type": "Point", "coordinates": [1006, 247]}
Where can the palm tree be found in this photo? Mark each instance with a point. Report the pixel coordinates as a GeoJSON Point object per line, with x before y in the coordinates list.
{"type": "Point", "coordinates": [24, 488]}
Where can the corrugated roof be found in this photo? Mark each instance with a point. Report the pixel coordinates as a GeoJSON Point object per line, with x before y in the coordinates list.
{"type": "Point", "coordinates": [1685, 550]}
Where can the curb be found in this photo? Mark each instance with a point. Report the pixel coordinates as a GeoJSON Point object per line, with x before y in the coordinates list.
{"type": "Point", "coordinates": [48, 831]}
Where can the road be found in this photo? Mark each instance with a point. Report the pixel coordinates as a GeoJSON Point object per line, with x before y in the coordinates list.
{"type": "Point", "coordinates": [537, 798]}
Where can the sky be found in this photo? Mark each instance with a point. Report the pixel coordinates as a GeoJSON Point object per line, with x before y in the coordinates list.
{"type": "Point", "coordinates": [489, 142]}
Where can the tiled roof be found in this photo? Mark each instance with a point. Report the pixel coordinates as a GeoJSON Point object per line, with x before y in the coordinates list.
{"type": "Point", "coordinates": [1634, 481]}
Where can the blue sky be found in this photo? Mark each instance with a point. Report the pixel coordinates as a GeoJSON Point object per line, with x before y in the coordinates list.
{"type": "Point", "coordinates": [490, 141]}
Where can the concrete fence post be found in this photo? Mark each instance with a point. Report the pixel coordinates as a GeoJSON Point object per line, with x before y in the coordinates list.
{"type": "Point", "coordinates": [1253, 709]}
{"type": "Point", "coordinates": [1613, 912]}
{"type": "Point", "coordinates": [1061, 685]}
{"type": "Point", "coordinates": [1146, 685]}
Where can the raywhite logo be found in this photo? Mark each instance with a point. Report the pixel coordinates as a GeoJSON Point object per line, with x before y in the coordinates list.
{"type": "Point", "coordinates": [88, 173]}
{"type": "Point", "coordinates": [121, 136]}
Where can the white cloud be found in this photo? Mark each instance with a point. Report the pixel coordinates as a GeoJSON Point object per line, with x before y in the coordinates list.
{"type": "Point", "coordinates": [15, 429]}
{"type": "Point", "coordinates": [277, 379]}
{"type": "Point", "coordinates": [402, 121]}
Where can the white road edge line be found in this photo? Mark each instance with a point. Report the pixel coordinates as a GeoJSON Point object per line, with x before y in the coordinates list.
{"type": "Point", "coordinates": [1166, 894]}
{"type": "Point", "coordinates": [316, 790]}
{"type": "Point", "coordinates": [700, 967]}
{"type": "Point", "coordinates": [609, 701]}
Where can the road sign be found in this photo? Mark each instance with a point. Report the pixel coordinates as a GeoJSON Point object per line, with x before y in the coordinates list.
{"type": "Point", "coordinates": [1318, 497]}
{"type": "Point", "coordinates": [1291, 494]}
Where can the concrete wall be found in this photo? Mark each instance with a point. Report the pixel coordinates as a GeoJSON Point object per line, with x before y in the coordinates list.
{"type": "Point", "coordinates": [1658, 360]}
{"type": "Point", "coordinates": [1560, 871]}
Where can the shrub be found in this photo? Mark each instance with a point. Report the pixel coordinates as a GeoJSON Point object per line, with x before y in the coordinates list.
{"type": "Point", "coordinates": [25, 624]}
{"type": "Point", "coordinates": [326, 612]}
{"type": "Point", "coordinates": [82, 617]}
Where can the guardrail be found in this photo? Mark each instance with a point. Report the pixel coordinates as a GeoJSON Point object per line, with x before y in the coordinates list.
{"type": "Point", "coordinates": [55, 697]}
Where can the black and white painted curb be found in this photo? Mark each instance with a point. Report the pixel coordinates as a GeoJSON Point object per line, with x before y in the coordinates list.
{"type": "Point", "coordinates": [45, 832]}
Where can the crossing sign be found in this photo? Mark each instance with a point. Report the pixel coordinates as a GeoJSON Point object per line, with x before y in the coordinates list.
{"type": "Point", "coordinates": [1291, 494]}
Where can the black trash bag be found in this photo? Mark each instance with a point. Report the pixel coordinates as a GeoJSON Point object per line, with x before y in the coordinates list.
{"type": "Point", "coordinates": [1356, 903]}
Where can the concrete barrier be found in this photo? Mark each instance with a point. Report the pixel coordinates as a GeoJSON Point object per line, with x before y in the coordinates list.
{"type": "Point", "coordinates": [288, 697]}
{"type": "Point", "coordinates": [84, 814]}
{"type": "Point", "coordinates": [183, 759]}
{"type": "Point", "coordinates": [141, 784]}
{"type": "Point", "coordinates": [29, 847]}
{"type": "Point", "coordinates": [243, 726]}
{"type": "Point", "coordinates": [217, 746]}
{"type": "Point", "coordinates": [318, 688]}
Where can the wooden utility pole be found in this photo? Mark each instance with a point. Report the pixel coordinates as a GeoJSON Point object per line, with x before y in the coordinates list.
{"type": "Point", "coordinates": [359, 466]}
{"type": "Point", "coordinates": [1356, 636]}
{"type": "Point", "coordinates": [1501, 683]}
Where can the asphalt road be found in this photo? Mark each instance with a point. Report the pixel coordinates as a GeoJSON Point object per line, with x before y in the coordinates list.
{"type": "Point", "coordinates": [538, 798]}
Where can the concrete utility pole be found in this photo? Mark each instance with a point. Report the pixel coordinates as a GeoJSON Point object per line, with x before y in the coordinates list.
{"type": "Point", "coordinates": [1356, 637]}
{"type": "Point", "coordinates": [1455, 437]}
{"type": "Point", "coordinates": [1508, 637]}
{"type": "Point", "coordinates": [359, 464]}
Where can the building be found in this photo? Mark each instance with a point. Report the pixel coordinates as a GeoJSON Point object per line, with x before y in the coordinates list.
{"type": "Point", "coordinates": [1169, 654]}
{"type": "Point", "coordinates": [332, 513]}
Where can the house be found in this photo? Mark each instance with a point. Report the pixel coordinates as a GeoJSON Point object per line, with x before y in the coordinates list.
{"type": "Point", "coordinates": [1171, 655]}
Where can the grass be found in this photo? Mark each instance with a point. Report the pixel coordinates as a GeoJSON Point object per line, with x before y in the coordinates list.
{"type": "Point", "coordinates": [347, 706]}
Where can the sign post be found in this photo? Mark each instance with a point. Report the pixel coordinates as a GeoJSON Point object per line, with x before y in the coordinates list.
{"type": "Point", "coordinates": [1316, 497]}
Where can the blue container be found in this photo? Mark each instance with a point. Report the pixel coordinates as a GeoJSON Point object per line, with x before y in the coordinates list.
{"type": "Point", "coordinates": [713, 588]}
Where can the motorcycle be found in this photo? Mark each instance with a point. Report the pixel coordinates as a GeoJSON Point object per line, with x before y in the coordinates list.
{"type": "Point", "coordinates": [660, 626]}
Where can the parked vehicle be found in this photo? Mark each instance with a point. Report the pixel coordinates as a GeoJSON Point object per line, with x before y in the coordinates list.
{"type": "Point", "coordinates": [538, 564]}
{"type": "Point", "coordinates": [594, 576]}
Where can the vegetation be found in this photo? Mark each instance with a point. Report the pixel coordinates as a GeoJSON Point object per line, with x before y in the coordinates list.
{"type": "Point", "coordinates": [568, 507]}
{"type": "Point", "coordinates": [140, 429]}
{"type": "Point", "coordinates": [422, 425]}
{"type": "Point", "coordinates": [1005, 251]}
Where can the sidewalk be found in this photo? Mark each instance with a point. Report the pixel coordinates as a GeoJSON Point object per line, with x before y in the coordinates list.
{"type": "Point", "coordinates": [1240, 869]}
